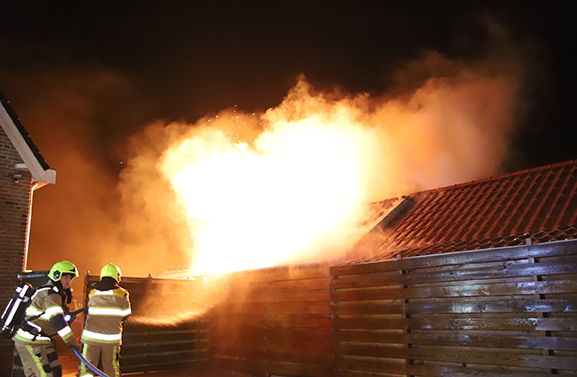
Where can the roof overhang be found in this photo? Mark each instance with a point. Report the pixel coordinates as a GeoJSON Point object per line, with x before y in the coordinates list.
{"type": "Point", "coordinates": [41, 172]}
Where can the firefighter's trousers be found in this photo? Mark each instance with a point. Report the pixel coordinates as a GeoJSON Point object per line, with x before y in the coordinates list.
{"type": "Point", "coordinates": [38, 360]}
{"type": "Point", "coordinates": [106, 353]}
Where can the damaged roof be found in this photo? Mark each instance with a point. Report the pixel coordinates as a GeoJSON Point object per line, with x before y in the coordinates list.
{"type": "Point", "coordinates": [529, 206]}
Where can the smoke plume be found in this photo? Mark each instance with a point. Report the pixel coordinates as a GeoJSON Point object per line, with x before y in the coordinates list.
{"type": "Point", "coordinates": [247, 189]}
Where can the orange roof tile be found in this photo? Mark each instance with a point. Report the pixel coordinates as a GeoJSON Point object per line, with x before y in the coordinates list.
{"type": "Point", "coordinates": [540, 204]}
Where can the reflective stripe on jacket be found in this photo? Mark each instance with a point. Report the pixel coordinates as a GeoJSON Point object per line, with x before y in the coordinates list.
{"type": "Point", "coordinates": [106, 312]}
{"type": "Point", "coordinates": [48, 302]}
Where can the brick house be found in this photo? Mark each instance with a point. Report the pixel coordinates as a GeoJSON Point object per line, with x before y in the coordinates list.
{"type": "Point", "coordinates": [22, 170]}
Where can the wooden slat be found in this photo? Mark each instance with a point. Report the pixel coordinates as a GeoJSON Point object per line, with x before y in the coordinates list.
{"type": "Point", "coordinates": [166, 346]}
{"type": "Point", "coordinates": [461, 339]}
{"type": "Point", "coordinates": [300, 369]}
{"type": "Point", "coordinates": [460, 355]}
{"type": "Point", "coordinates": [156, 357]}
{"type": "Point", "coordinates": [150, 366]}
{"type": "Point", "coordinates": [257, 366]}
{"type": "Point", "coordinates": [352, 373]}
{"type": "Point", "coordinates": [494, 324]}
{"type": "Point", "coordinates": [363, 268]}
{"type": "Point", "coordinates": [368, 337]}
{"type": "Point", "coordinates": [371, 351]}
{"type": "Point", "coordinates": [366, 280]}
{"type": "Point", "coordinates": [395, 307]}
{"type": "Point", "coordinates": [506, 271]}
{"type": "Point", "coordinates": [307, 296]}
{"type": "Point", "coordinates": [470, 371]}
{"type": "Point", "coordinates": [220, 340]}
{"type": "Point", "coordinates": [285, 286]}
{"type": "Point", "coordinates": [493, 357]}
{"type": "Point", "coordinates": [369, 365]}
{"type": "Point", "coordinates": [130, 336]}
{"type": "Point", "coordinates": [296, 333]}
{"type": "Point", "coordinates": [560, 248]}
{"type": "Point", "coordinates": [495, 341]}
{"type": "Point", "coordinates": [318, 321]}
{"type": "Point", "coordinates": [280, 273]}
{"type": "Point", "coordinates": [363, 294]}
{"type": "Point", "coordinates": [242, 365]}
{"type": "Point", "coordinates": [499, 289]}
{"type": "Point", "coordinates": [367, 324]}
{"type": "Point", "coordinates": [503, 270]}
{"type": "Point", "coordinates": [297, 307]}
{"type": "Point", "coordinates": [282, 344]}
{"type": "Point", "coordinates": [480, 306]}
{"type": "Point", "coordinates": [295, 355]}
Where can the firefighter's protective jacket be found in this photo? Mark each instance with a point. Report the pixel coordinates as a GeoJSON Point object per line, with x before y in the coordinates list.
{"type": "Point", "coordinates": [48, 304]}
{"type": "Point", "coordinates": [107, 309]}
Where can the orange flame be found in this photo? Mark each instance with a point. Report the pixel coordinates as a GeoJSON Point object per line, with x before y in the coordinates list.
{"type": "Point", "coordinates": [291, 191]}
{"type": "Point", "coordinates": [291, 185]}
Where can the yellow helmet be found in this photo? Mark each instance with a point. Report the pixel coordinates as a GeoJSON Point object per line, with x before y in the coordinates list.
{"type": "Point", "coordinates": [112, 271]}
{"type": "Point", "coordinates": [62, 268]}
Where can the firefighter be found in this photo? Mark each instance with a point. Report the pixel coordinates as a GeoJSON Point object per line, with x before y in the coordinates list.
{"type": "Point", "coordinates": [35, 340]}
{"type": "Point", "coordinates": [108, 307]}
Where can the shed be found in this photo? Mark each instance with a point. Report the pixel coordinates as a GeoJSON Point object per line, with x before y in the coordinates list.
{"type": "Point", "coordinates": [530, 206]}
{"type": "Point", "coordinates": [471, 279]}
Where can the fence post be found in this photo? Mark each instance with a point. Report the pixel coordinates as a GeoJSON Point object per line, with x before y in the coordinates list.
{"type": "Point", "coordinates": [406, 317]}
{"type": "Point", "coordinates": [540, 297]}
{"type": "Point", "coordinates": [336, 371]}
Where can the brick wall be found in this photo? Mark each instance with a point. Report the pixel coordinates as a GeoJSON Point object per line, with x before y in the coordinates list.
{"type": "Point", "coordinates": [15, 201]}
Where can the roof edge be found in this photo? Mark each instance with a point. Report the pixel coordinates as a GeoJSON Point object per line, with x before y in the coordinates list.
{"type": "Point", "coordinates": [35, 163]}
{"type": "Point", "coordinates": [497, 177]}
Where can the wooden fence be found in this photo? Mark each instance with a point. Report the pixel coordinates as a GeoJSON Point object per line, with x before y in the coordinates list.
{"type": "Point", "coordinates": [151, 342]}
{"type": "Point", "coordinates": [496, 312]}
{"type": "Point", "coordinates": [274, 321]}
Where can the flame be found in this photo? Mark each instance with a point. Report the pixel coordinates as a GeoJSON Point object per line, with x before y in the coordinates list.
{"type": "Point", "coordinates": [239, 190]}
{"type": "Point", "coordinates": [292, 184]}
{"type": "Point", "coordinates": [295, 189]}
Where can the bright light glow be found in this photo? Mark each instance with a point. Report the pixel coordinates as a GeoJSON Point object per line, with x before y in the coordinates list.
{"type": "Point", "coordinates": [295, 190]}
{"type": "Point", "coordinates": [290, 185]}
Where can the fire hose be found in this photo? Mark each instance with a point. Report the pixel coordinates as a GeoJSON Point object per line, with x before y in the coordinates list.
{"type": "Point", "coordinates": [88, 364]}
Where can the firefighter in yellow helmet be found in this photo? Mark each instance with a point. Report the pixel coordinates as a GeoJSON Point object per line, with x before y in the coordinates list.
{"type": "Point", "coordinates": [35, 340]}
{"type": "Point", "coordinates": [108, 307]}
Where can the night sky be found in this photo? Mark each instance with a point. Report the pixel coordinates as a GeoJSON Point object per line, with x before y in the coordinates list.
{"type": "Point", "coordinates": [85, 76]}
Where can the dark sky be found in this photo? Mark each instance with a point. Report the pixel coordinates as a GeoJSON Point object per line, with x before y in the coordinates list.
{"type": "Point", "coordinates": [84, 76]}
{"type": "Point", "coordinates": [189, 58]}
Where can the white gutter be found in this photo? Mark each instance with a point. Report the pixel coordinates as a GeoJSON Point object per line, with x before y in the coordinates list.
{"type": "Point", "coordinates": [43, 177]}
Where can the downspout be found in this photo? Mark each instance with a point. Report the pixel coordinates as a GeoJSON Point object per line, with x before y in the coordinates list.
{"type": "Point", "coordinates": [33, 187]}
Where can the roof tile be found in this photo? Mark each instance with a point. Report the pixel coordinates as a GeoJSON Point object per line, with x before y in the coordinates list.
{"type": "Point", "coordinates": [540, 204]}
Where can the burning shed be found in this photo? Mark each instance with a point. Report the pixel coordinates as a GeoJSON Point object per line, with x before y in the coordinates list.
{"type": "Point", "coordinates": [474, 279]}
{"type": "Point", "coordinates": [530, 206]}
{"type": "Point", "coordinates": [471, 279]}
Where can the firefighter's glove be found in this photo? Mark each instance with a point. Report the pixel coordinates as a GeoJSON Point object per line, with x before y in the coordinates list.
{"type": "Point", "coordinates": [76, 348]}
{"type": "Point", "coordinates": [75, 344]}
